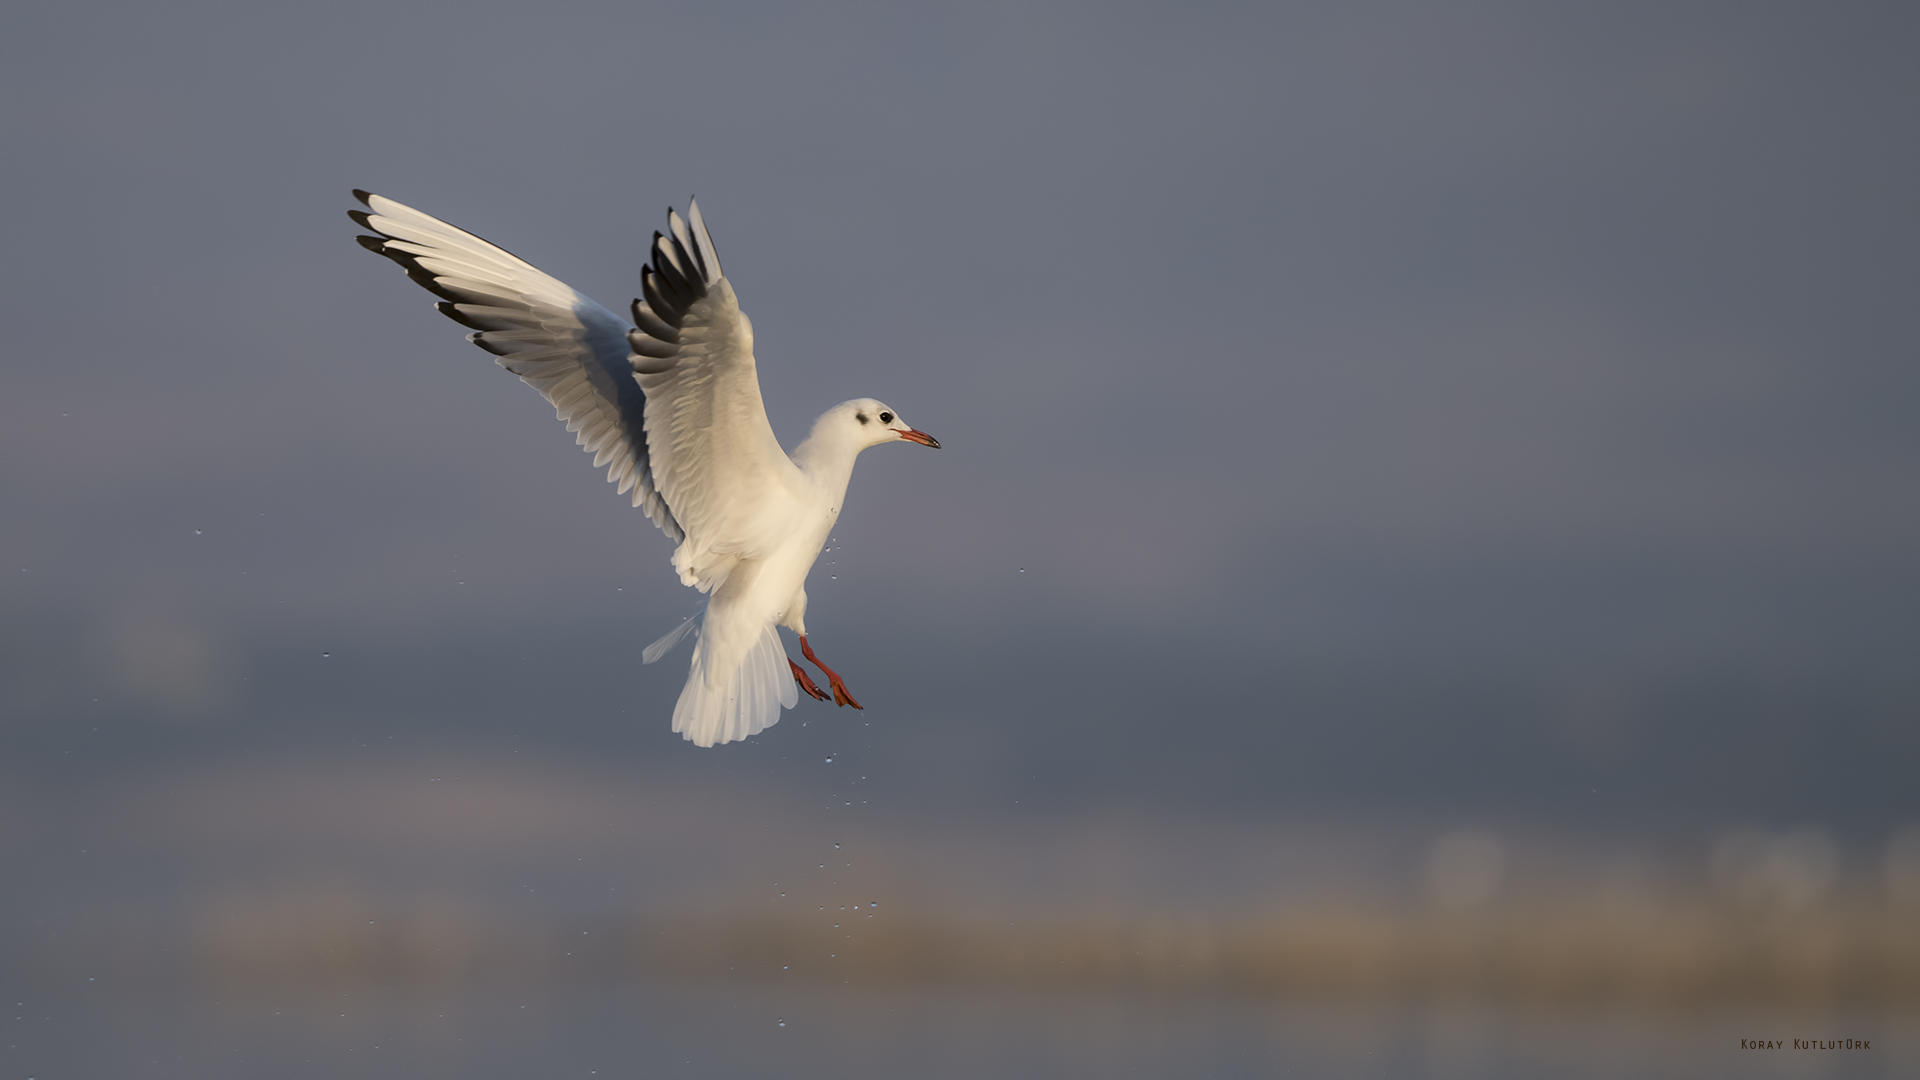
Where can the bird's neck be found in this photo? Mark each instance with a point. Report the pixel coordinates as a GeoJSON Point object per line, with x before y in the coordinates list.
{"type": "Point", "coordinates": [828, 462]}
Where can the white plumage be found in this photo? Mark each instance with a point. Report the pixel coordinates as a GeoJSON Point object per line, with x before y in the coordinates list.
{"type": "Point", "coordinates": [670, 402]}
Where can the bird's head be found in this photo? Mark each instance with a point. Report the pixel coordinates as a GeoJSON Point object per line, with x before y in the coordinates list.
{"type": "Point", "coordinates": [870, 423]}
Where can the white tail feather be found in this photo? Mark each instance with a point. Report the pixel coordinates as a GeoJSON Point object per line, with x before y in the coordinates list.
{"type": "Point", "coordinates": [736, 704]}
{"type": "Point", "coordinates": [667, 641]}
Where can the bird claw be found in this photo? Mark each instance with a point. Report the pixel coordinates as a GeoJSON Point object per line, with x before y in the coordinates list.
{"type": "Point", "coordinates": [840, 695]}
{"type": "Point", "coordinates": [806, 684]}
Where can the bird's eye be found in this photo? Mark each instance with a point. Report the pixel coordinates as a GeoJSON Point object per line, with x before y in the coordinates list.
{"type": "Point", "coordinates": [886, 418]}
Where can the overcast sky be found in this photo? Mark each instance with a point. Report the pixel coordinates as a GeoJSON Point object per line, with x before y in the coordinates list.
{"type": "Point", "coordinates": [1566, 345]}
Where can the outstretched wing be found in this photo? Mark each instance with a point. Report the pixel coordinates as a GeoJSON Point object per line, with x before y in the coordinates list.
{"type": "Point", "coordinates": [714, 456]}
{"type": "Point", "coordinates": [561, 343]}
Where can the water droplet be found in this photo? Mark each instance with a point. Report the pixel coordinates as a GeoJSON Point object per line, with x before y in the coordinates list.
{"type": "Point", "coordinates": [876, 903]}
{"type": "Point", "coordinates": [783, 1023]}
{"type": "Point", "coordinates": [1023, 569]}
{"type": "Point", "coordinates": [836, 847]}
{"type": "Point", "coordinates": [326, 654]}
{"type": "Point", "coordinates": [196, 532]}
{"type": "Point", "coordinates": [829, 761]}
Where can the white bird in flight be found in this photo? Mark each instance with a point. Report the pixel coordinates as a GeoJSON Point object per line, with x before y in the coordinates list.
{"type": "Point", "coordinates": [671, 401]}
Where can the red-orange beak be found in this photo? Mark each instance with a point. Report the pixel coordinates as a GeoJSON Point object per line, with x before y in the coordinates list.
{"type": "Point", "coordinates": [920, 437]}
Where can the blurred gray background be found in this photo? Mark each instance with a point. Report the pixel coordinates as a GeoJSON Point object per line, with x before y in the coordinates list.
{"type": "Point", "coordinates": [1365, 425]}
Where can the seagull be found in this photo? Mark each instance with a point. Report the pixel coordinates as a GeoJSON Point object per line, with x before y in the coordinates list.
{"type": "Point", "coordinates": [670, 403]}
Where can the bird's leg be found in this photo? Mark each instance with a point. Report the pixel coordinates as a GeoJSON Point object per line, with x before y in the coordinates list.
{"type": "Point", "coordinates": [840, 695]}
{"type": "Point", "coordinates": [806, 684]}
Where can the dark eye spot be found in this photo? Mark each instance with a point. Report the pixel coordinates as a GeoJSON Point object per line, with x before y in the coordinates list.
{"type": "Point", "coordinates": [860, 416]}
{"type": "Point", "coordinates": [886, 418]}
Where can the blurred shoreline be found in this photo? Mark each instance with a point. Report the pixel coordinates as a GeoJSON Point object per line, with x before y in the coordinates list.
{"type": "Point", "coordinates": [1696, 955]}
{"type": "Point", "coordinates": [330, 874]}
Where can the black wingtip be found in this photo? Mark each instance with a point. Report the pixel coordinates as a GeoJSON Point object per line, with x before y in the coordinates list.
{"type": "Point", "coordinates": [362, 219]}
{"type": "Point", "coordinates": [373, 244]}
{"type": "Point", "coordinates": [481, 340]}
{"type": "Point", "coordinates": [663, 295]}
{"type": "Point", "coordinates": [365, 197]}
{"type": "Point", "coordinates": [447, 308]}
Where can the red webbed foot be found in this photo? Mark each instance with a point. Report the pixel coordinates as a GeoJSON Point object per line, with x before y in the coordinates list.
{"type": "Point", "coordinates": [806, 684]}
{"type": "Point", "coordinates": [840, 695]}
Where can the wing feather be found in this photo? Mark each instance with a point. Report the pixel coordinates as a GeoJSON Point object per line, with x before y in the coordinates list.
{"type": "Point", "coordinates": [713, 454]}
{"type": "Point", "coordinates": [570, 349]}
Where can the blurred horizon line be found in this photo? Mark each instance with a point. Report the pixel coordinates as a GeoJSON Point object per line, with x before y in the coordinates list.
{"type": "Point", "coordinates": [1574, 952]}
